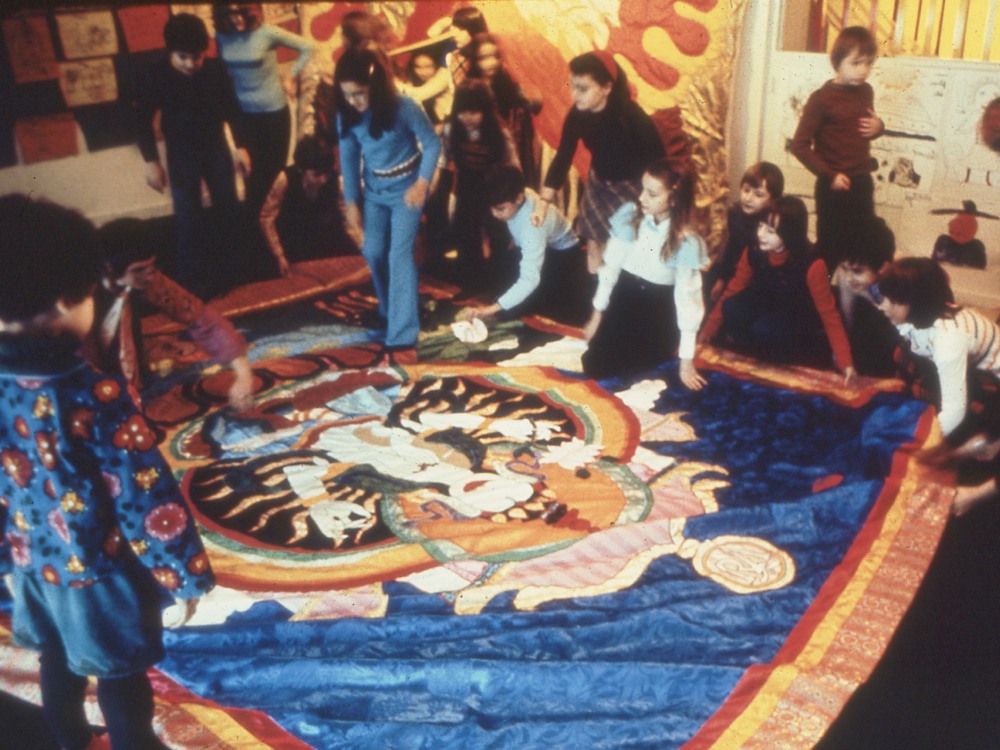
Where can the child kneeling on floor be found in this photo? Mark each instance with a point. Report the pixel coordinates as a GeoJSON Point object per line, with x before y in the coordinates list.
{"type": "Point", "coordinates": [875, 343]}
{"type": "Point", "coordinates": [964, 347]}
{"type": "Point", "coordinates": [648, 305]}
{"type": "Point", "coordinates": [552, 275]}
{"type": "Point", "coordinates": [91, 515]}
{"type": "Point", "coordinates": [779, 307]}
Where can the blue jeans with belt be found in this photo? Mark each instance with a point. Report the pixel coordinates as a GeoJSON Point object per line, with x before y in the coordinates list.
{"type": "Point", "coordinates": [390, 232]}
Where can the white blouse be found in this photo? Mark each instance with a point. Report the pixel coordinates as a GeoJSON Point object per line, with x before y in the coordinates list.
{"type": "Point", "coordinates": [638, 252]}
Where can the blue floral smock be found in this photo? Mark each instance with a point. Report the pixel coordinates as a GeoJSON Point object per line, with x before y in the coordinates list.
{"type": "Point", "coordinates": [83, 484]}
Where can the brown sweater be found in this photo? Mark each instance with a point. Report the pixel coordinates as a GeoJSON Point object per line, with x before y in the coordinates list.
{"type": "Point", "coordinates": [827, 141]}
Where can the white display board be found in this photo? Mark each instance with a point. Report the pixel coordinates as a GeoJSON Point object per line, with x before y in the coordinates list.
{"type": "Point", "coordinates": [930, 159]}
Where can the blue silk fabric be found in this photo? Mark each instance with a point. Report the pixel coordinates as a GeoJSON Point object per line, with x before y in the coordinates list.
{"type": "Point", "coordinates": [644, 667]}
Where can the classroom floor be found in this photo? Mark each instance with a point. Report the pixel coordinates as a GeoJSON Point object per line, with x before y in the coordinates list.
{"type": "Point", "coordinates": [937, 686]}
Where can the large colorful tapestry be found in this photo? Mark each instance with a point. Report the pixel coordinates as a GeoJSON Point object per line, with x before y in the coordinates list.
{"type": "Point", "coordinates": [486, 549]}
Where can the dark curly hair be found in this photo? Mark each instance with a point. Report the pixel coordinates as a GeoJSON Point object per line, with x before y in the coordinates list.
{"type": "Point", "coordinates": [185, 32]}
{"type": "Point", "coordinates": [313, 152]}
{"type": "Point", "coordinates": [504, 183]}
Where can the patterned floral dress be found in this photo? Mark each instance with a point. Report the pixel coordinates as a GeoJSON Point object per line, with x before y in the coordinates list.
{"type": "Point", "coordinates": [84, 489]}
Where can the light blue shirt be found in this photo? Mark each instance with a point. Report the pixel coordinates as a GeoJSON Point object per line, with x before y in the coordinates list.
{"type": "Point", "coordinates": [253, 64]}
{"type": "Point", "coordinates": [554, 233]}
{"type": "Point", "coordinates": [638, 250]}
{"type": "Point", "coordinates": [411, 134]}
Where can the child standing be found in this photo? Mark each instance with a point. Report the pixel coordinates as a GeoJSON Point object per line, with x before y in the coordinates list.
{"type": "Point", "coordinates": [622, 140]}
{"type": "Point", "coordinates": [92, 518]}
{"type": "Point", "coordinates": [964, 346]}
{"type": "Point", "coordinates": [423, 67]}
{"type": "Point", "coordinates": [465, 23]}
{"type": "Point", "coordinates": [248, 48]}
{"type": "Point", "coordinates": [552, 271]}
{"type": "Point", "coordinates": [778, 305]}
{"type": "Point", "coordinates": [475, 141]}
{"type": "Point", "coordinates": [648, 305]}
{"type": "Point", "coordinates": [762, 184]}
{"type": "Point", "coordinates": [514, 108]}
{"type": "Point", "coordinates": [389, 137]}
{"type": "Point", "coordinates": [195, 99]}
{"type": "Point", "coordinates": [833, 141]}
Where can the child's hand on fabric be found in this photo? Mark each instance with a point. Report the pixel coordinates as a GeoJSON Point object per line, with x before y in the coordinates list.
{"type": "Point", "coordinates": [416, 194]}
{"type": "Point", "coordinates": [156, 177]}
{"type": "Point", "coordinates": [592, 325]}
{"type": "Point", "coordinates": [179, 613]}
{"type": "Point", "coordinates": [479, 311]}
{"type": "Point", "coordinates": [690, 376]}
{"type": "Point", "coordinates": [850, 376]}
{"type": "Point", "coordinates": [870, 126]}
{"type": "Point", "coordinates": [841, 182]}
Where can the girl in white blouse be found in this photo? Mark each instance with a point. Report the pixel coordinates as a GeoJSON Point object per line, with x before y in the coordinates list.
{"type": "Point", "coordinates": [648, 305]}
{"type": "Point", "coordinates": [964, 346]}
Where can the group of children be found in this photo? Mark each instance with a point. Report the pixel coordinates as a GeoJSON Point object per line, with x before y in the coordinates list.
{"type": "Point", "coordinates": [94, 520]}
{"type": "Point", "coordinates": [768, 292]}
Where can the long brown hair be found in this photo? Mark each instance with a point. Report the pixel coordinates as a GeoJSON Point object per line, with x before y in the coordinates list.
{"type": "Point", "coordinates": [679, 181]}
{"type": "Point", "coordinates": [365, 67]}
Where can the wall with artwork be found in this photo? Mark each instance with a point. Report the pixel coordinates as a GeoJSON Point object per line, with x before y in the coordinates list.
{"type": "Point", "coordinates": [67, 77]}
{"type": "Point", "coordinates": [937, 185]}
{"type": "Point", "coordinates": [71, 72]}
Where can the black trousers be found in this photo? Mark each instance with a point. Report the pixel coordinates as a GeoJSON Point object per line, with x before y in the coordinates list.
{"type": "Point", "coordinates": [267, 135]}
{"type": "Point", "coordinates": [838, 212]}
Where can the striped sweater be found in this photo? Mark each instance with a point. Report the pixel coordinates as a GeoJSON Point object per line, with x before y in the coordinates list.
{"type": "Point", "coordinates": [954, 344]}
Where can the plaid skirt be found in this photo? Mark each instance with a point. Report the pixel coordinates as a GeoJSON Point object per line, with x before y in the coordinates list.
{"type": "Point", "coordinates": [601, 199]}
